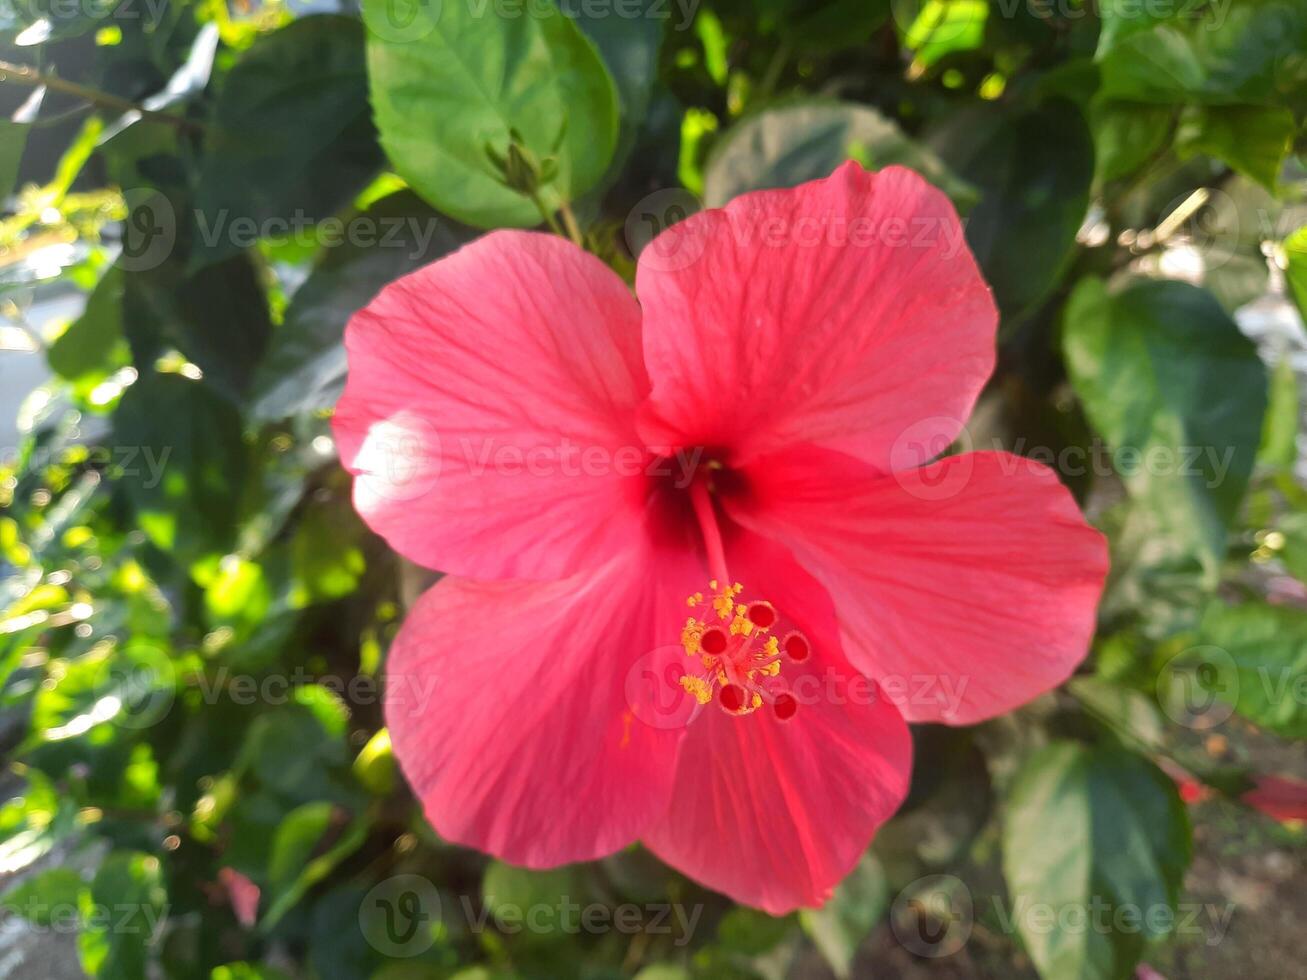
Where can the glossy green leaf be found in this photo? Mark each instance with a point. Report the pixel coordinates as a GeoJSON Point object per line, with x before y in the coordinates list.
{"type": "Point", "coordinates": [93, 344]}
{"type": "Point", "coordinates": [1095, 845]}
{"type": "Point", "coordinates": [628, 45]}
{"type": "Point", "coordinates": [1178, 392]}
{"type": "Point", "coordinates": [1034, 171]}
{"type": "Point", "coordinates": [788, 145]}
{"type": "Point", "coordinates": [1254, 140]}
{"type": "Point", "coordinates": [1126, 135]}
{"type": "Point", "coordinates": [942, 27]}
{"type": "Point", "coordinates": [292, 139]}
{"type": "Point", "coordinates": [309, 843]}
{"type": "Point", "coordinates": [451, 81]}
{"type": "Point", "coordinates": [1295, 254]}
{"type": "Point", "coordinates": [1239, 54]}
{"type": "Point", "coordinates": [217, 316]}
{"type": "Point", "coordinates": [187, 453]}
{"type": "Point", "coordinates": [304, 369]}
{"type": "Point", "coordinates": [15, 124]}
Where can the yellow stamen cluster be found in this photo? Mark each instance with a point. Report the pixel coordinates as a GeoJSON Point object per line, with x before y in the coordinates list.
{"type": "Point", "coordinates": [735, 620]}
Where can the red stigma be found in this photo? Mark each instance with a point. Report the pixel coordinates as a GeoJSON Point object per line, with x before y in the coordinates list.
{"type": "Point", "coordinates": [731, 697]}
{"type": "Point", "coordinates": [796, 647]}
{"type": "Point", "coordinates": [713, 641]}
{"type": "Point", "coordinates": [785, 706]}
{"type": "Point", "coordinates": [762, 614]}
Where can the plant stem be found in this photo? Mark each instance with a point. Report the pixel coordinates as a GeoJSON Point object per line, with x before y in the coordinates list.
{"type": "Point", "coordinates": [573, 229]}
{"type": "Point", "coordinates": [545, 213]}
{"type": "Point", "coordinates": [27, 75]}
{"type": "Point", "coordinates": [569, 229]}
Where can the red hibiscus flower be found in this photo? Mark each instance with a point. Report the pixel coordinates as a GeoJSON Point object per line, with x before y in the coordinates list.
{"type": "Point", "coordinates": [719, 481]}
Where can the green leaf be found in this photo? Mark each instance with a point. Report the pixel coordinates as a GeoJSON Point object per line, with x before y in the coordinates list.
{"type": "Point", "coordinates": [308, 845]}
{"type": "Point", "coordinates": [1178, 392]}
{"type": "Point", "coordinates": [945, 26]}
{"type": "Point", "coordinates": [124, 913]}
{"type": "Point", "coordinates": [785, 146]}
{"type": "Point", "coordinates": [246, 971]}
{"type": "Point", "coordinates": [1034, 171]}
{"type": "Point", "coordinates": [663, 971]}
{"type": "Point", "coordinates": [292, 139]}
{"type": "Point", "coordinates": [13, 139]}
{"type": "Point", "coordinates": [1295, 254]}
{"type": "Point", "coordinates": [1241, 54]}
{"type": "Point", "coordinates": [1122, 18]}
{"type": "Point", "coordinates": [1127, 713]}
{"type": "Point", "coordinates": [217, 316]}
{"type": "Point", "coordinates": [1092, 836]}
{"type": "Point", "coordinates": [1293, 550]}
{"type": "Point", "coordinates": [297, 752]}
{"type": "Point", "coordinates": [839, 926]}
{"type": "Point", "coordinates": [1279, 447]}
{"type": "Point", "coordinates": [1268, 645]}
{"type": "Point", "coordinates": [1253, 140]}
{"type": "Point", "coordinates": [187, 454]}
{"type": "Point", "coordinates": [1126, 135]}
{"type": "Point", "coordinates": [629, 46]}
{"type": "Point", "coordinates": [836, 25]}
{"type": "Point", "coordinates": [93, 344]}
{"type": "Point", "coordinates": [748, 932]}
{"type": "Point", "coordinates": [49, 899]}
{"type": "Point", "coordinates": [444, 87]}
{"type": "Point", "coordinates": [550, 897]}
{"type": "Point", "coordinates": [1158, 65]}
{"type": "Point", "coordinates": [326, 561]}
{"type": "Point", "coordinates": [304, 369]}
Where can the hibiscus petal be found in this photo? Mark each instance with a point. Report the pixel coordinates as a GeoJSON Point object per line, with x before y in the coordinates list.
{"type": "Point", "coordinates": [846, 313]}
{"type": "Point", "coordinates": [489, 411]}
{"type": "Point", "coordinates": [775, 813]}
{"type": "Point", "coordinates": [966, 587]}
{"type": "Point", "coordinates": [509, 713]}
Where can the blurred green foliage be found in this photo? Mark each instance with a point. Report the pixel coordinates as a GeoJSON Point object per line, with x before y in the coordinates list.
{"type": "Point", "coordinates": [193, 621]}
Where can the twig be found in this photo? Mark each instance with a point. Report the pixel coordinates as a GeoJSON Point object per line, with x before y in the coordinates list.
{"type": "Point", "coordinates": [27, 75]}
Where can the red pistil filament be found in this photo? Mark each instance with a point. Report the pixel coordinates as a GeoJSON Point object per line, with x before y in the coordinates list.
{"type": "Point", "coordinates": [735, 645]}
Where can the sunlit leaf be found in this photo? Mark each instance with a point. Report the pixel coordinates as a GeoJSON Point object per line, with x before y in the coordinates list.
{"type": "Point", "coordinates": [449, 81]}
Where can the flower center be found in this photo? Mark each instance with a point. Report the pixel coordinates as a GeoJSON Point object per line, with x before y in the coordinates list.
{"type": "Point", "coordinates": [736, 657]}
{"type": "Point", "coordinates": [735, 651]}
